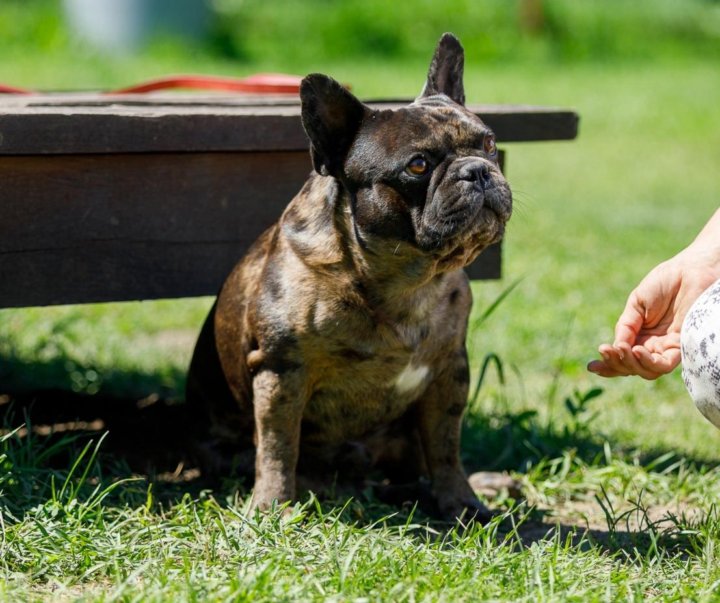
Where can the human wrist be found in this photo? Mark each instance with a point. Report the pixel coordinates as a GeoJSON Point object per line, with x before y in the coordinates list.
{"type": "Point", "coordinates": [701, 257]}
{"type": "Point", "coordinates": [703, 253]}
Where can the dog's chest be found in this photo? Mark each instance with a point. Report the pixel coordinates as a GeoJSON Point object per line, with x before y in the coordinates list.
{"type": "Point", "coordinates": [366, 384]}
{"type": "Point", "coordinates": [365, 369]}
{"type": "Point", "coordinates": [362, 400]}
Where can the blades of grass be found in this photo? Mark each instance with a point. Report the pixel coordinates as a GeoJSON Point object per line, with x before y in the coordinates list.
{"type": "Point", "coordinates": [67, 484]}
{"type": "Point", "coordinates": [3, 536]}
{"type": "Point", "coordinates": [609, 511]}
{"type": "Point", "coordinates": [345, 567]}
{"type": "Point", "coordinates": [661, 460]}
{"type": "Point", "coordinates": [90, 463]}
{"type": "Point", "coordinates": [99, 494]}
{"type": "Point", "coordinates": [48, 451]}
{"type": "Point", "coordinates": [496, 302]}
{"type": "Point", "coordinates": [3, 456]}
{"type": "Point", "coordinates": [490, 358]}
{"type": "Point", "coordinates": [6, 436]}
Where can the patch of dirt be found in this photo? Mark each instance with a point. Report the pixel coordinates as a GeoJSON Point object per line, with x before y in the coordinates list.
{"type": "Point", "coordinates": [629, 518]}
{"type": "Point", "coordinates": [629, 526]}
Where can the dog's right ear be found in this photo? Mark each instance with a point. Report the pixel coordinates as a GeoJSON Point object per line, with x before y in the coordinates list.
{"type": "Point", "coordinates": [331, 117]}
{"type": "Point", "coordinates": [445, 75]}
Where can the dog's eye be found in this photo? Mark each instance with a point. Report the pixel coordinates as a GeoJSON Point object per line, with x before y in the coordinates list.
{"type": "Point", "coordinates": [489, 145]}
{"type": "Point", "coordinates": [418, 166]}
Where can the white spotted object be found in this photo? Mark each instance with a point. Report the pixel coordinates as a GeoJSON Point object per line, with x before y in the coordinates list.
{"type": "Point", "coordinates": [411, 377]}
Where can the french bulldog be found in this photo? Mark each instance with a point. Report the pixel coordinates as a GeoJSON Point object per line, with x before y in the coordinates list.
{"type": "Point", "coordinates": [337, 344]}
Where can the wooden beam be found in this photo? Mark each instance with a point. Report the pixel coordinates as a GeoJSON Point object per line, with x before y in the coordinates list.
{"type": "Point", "coordinates": [121, 227]}
{"type": "Point", "coordinates": [80, 124]}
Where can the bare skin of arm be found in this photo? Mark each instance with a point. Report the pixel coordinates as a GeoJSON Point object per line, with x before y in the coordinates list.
{"type": "Point", "coordinates": [647, 334]}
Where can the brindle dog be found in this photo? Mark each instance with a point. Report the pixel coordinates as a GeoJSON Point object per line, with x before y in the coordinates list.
{"type": "Point", "coordinates": [337, 345]}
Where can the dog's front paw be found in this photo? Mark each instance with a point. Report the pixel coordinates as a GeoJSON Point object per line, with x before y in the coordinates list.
{"type": "Point", "coordinates": [271, 493]}
{"type": "Point", "coordinates": [465, 510]}
{"type": "Point", "coordinates": [461, 504]}
{"type": "Point", "coordinates": [272, 505]}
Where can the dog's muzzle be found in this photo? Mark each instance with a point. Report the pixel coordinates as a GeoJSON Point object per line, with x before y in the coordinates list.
{"type": "Point", "coordinates": [471, 200]}
{"type": "Point", "coordinates": [489, 188]}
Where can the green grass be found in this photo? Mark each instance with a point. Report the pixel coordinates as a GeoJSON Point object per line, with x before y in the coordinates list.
{"type": "Point", "coordinates": [619, 489]}
{"type": "Point", "coordinates": [76, 534]}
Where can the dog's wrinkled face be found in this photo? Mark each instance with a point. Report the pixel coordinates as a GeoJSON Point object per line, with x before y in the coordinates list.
{"type": "Point", "coordinates": [425, 175]}
{"type": "Point", "coordinates": [437, 183]}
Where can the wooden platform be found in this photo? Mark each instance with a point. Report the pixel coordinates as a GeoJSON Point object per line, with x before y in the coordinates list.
{"type": "Point", "coordinates": [143, 197]}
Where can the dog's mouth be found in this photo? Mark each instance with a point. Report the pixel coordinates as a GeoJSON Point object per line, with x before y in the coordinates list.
{"type": "Point", "coordinates": [467, 221]}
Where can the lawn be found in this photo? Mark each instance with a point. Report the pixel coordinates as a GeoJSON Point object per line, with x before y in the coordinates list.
{"type": "Point", "coordinates": [619, 484]}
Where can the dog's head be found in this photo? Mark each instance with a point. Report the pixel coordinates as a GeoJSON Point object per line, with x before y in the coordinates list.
{"type": "Point", "coordinates": [424, 176]}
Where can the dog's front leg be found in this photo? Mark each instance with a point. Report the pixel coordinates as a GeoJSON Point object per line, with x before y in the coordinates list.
{"type": "Point", "coordinates": [278, 407]}
{"type": "Point", "coordinates": [439, 420]}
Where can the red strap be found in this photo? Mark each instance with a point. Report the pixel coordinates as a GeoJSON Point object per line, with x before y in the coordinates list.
{"type": "Point", "coordinates": [12, 90]}
{"type": "Point", "coordinates": [262, 83]}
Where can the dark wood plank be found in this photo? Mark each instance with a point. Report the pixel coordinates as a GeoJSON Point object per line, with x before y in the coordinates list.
{"type": "Point", "coordinates": [91, 228]}
{"type": "Point", "coordinates": [56, 202]}
{"type": "Point", "coordinates": [488, 265]}
{"type": "Point", "coordinates": [33, 125]}
{"type": "Point", "coordinates": [122, 227]}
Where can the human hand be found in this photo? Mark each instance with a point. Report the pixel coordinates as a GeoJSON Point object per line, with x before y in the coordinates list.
{"type": "Point", "coordinates": [647, 334]}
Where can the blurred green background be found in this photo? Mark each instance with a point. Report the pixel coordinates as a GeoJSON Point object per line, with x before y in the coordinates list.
{"type": "Point", "coordinates": [592, 215]}
{"type": "Point", "coordinates": [39, 50]}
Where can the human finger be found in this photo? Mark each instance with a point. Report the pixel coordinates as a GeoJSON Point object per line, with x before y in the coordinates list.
{"type": "Point", "coordinates": [633, 366]}
{"type": "Point", "coordinates": [630, 321]}
{"type": "Point", "coordinates": [658, 363]}
{"type": "Point", "coordinates": [610, 353]}
{"type": "Point", "coordinates": [611, 364]}
{"type": "Point", "coordinates": [601, 368]}
{"type": "Point", "coordinates": [614, 358]}
{"type": "Point", "coordinates": [659, 344]}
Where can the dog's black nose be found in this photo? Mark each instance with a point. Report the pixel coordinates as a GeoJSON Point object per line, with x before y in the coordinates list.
{"type": "Point", "coordinates": [477, 172]}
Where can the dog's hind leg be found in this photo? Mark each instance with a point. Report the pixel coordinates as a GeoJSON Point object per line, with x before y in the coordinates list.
{"type": "Point", "coordinates": [220, 431]}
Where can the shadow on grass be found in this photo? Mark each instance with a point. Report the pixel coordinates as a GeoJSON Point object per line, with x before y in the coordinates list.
{"type": "Point", "coordinates": [148, 438]}
{"type": "Point", "coordinates": [515, 441]}
{"type": "Point", "coordinates": [669, 538]}
{"type": "Point", "coordinates": [151, 435]}
{"type": "Point", "coordinates": [147, 434]}
{"type": "Point", "coordinates": [62, 374]}
{"type": "Point", "coordinates": [522, 529]}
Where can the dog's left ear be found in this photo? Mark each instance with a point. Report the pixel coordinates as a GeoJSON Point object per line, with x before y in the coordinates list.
{"type": "Point", "coordinates": [445, 75]}
{"type": "Point", "coordinates": [331, 117]}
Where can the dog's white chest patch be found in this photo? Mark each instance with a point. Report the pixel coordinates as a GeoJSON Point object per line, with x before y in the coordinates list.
{"type": "Point", "coordinates": [411, 377]}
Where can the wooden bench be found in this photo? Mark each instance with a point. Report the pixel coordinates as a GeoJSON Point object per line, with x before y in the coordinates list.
{"type": "Point", "coordinates": [112, 198]}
